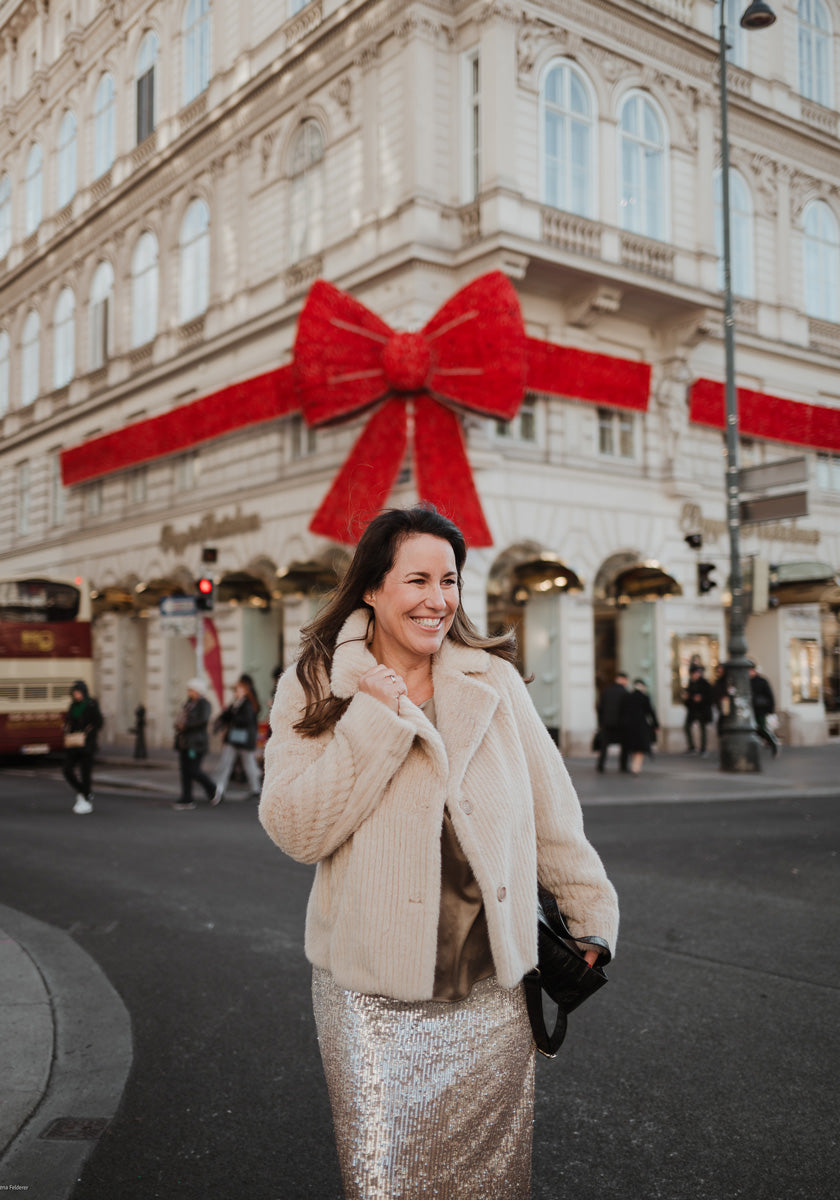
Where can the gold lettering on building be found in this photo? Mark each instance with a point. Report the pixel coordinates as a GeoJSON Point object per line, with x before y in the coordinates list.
{"type": "Point", "coordinates": [209, 529]}
{"type": "Point", "coordinates": [693, 521]}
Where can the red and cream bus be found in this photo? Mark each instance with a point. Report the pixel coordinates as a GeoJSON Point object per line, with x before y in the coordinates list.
{"type": "Point", "coordinates": [44, 646]}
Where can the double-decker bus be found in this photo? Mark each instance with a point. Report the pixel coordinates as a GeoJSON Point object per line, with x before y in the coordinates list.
{"type": "Point", "coordinates": [45, 645]}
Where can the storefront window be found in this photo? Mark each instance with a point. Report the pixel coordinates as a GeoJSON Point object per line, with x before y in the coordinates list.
{"type": "Point", "coordinates": [805, 670]}
{"type": "Point", "coordinates": [686, 650]}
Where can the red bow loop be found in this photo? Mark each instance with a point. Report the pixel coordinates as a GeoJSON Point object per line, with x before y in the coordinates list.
{"type": "Point", "coordinates": [471, 355]}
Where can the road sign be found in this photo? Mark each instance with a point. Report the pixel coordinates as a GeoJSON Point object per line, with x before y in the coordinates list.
{"type": "Point", "coordinates": [774, 508]}
{"type": "Point", "coordinates": [776, 474]}
{"type": "Point", "coordinates": [178, 606]}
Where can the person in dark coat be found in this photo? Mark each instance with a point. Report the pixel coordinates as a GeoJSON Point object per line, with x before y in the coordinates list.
{"type": "Point", "coordinates": [698, 708]}
{"type": "Point", "coordinates": [239, 722]}
{"type": "Point", "coordinates": [81, 728]}
{"type": "Point", "coordinates": [191, 742]}
{"type": "Point", "coordinates": [638, 726]}
{"type": "Point", "coordinates": [764, 703]}
{"type": "Point", "coordinates": [609, 719]}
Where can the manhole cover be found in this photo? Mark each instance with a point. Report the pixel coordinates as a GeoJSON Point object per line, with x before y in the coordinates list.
{"type": "Point", "coordinates": [76, 1129]}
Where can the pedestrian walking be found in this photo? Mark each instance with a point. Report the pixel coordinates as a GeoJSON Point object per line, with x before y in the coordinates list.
{"type": "Point", "coordinates": [407, 760]}
{"type": "Point", "coordinates": [609, 719]}
{"type": "Point", "coordinates": [698, 708]}
{"type": "Point", "coordinates": [639, 726]}
{"type": "Point", "coordinates": [82, 723]}
{"type": "Point", "coordinates": [239, 723]}
{"type": "Point", "coordinates": [764, 706]}
{"type": "Point", "coordinates": [191, 742]}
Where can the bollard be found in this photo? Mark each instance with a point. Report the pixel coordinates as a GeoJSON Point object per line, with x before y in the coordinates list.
{"type": "Point", "coordinates": [139, 731]}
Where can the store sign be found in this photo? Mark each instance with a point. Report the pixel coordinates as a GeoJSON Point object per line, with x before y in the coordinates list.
{"type": "Point", "coordinates": [178, 615]}
{"type": "Point", "coordinates": [693, 521]}
{"type": "Point", "coordinates": [209, 529]}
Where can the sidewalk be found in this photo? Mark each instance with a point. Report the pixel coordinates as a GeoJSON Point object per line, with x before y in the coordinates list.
{"type": "Point", "coordinates": [65, 1037]}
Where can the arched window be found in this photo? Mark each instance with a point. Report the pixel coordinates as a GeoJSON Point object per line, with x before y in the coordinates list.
{"type": "Point", "coordinates": [5, 371]}
{"type": "Point", "coordinates": [30, 358]}
{"type": "Point", "coordinates": [5, 215]}
{"type": "Point", "coordinates": [306, 207]}
{"type": "Point", "coordinates": [64, 356]}
{"type": "Point", "coordinates": [144, 86]}
{"type": "Point", "coordinates": [66, 159]}
{"type": "Point", "coordinates": [740, 233]}
{"type": "Point", "coordinates": [814, 51]}
{"type": "Point", "coordinates": [195, 260]}
{"type": "Point", "coordinates": [104, 113]}
{"type": "Point", "coordinates": [101, 315]}
{"type": "Point", "coordinates": [34, 189]}
{"type": "Point", "coordinates": [643, 197]}
{"type": "Point", "coordinates": [821, 262]}
{"type": "Point", "coordinates": [197, 29]}
{"type": "Point", "coordinates": [568, 143]}
{"type": "Point", "coordinates": [144, 290]}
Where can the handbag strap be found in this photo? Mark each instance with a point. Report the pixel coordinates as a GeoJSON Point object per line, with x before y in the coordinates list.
{"type": "Point", "coordinates": [547, 1043]}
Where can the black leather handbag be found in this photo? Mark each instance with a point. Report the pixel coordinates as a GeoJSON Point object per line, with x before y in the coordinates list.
{"type": "Point", "coordinates": [563, 973]}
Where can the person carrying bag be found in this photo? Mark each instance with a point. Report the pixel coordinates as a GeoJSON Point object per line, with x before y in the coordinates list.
{"type": "Point", "coordinates": [81, 727]}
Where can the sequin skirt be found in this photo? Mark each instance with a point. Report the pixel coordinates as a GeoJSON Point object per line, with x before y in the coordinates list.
{"type": "Point", "coordinates": [430, 1101]}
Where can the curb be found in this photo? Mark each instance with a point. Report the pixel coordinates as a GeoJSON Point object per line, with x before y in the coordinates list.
{"type": "Point", "coordinates": [80, 1047]}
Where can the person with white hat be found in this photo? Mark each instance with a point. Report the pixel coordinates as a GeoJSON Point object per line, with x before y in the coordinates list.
{"type": "Point", "coordinates": [191, 742]}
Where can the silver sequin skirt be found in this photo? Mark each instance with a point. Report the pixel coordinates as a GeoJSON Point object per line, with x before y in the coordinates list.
{"type": "Point", "coordinates": [430, 1101]}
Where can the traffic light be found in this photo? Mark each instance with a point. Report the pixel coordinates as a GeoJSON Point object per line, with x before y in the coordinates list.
{"type": "Point", "coordinates": [705, 583]}
{"type": "Point", "coordinates": [694, 540]}
{"type": "Point", "coordinates": [206, 593]}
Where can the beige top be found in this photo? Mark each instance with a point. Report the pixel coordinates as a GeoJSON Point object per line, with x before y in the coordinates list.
{"type": "Point", "coordinates": [463, 948]}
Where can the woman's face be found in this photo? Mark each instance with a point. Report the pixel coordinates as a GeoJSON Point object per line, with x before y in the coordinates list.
{"type": "Point", "coordinates": [417, 600]}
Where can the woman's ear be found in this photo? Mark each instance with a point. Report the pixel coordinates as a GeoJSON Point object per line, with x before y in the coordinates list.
{"type": "Point", "coordinates": [368, 599]}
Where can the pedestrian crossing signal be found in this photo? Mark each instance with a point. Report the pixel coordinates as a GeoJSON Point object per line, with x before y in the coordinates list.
{"type": "Point", "coordinates": [206, 590]}
{"type": "Point", "coordinates": [705, 583]}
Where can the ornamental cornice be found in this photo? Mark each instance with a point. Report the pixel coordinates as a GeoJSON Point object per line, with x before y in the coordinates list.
{"type": "Point", "coordinates": [785, 142]}
{"type": "Point", "coordinates": [804, 188]}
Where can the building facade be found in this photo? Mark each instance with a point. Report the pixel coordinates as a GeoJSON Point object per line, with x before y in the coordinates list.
{"type": "Point", "coordinates": [175, 175]}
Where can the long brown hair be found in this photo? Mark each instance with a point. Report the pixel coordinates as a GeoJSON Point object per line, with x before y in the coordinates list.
{"type": "Point", "coordinates": [373, 559]}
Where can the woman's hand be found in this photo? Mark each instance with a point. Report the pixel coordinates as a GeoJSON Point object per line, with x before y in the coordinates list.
{"type": "Point", "coordinates": [385, 685]}
{"type": "Point", "coordinates": [592, 956]}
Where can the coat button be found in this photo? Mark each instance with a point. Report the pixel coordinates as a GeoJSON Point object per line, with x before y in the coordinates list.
{"type": "Point", "coordinates": [466, 806]}
{"type": "Point", "coordinates": [501, 893]}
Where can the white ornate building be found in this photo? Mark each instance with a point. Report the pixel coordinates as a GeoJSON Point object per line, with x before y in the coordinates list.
{"type": "Point", "coordinates": [175, 174]}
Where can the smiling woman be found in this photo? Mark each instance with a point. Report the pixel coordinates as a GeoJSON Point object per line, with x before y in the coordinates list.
{"type": "Point", "coordinates": [408, 762]}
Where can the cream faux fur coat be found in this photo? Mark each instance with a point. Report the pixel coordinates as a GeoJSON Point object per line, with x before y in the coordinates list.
{"type": "Point", "coordinates": [365, 802]}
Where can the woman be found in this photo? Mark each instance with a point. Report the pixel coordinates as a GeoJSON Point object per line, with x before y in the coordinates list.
{"type": "Point", "coordinates": [408, 762]}
{"type": "Point", "coordinates": [82, 723]}
{"type": "Point", "coordinates": [638, 726]}
{"type": "Point", "coordinates": [191, 742]}
{"type": "Point", "coordinates": [239, 721]}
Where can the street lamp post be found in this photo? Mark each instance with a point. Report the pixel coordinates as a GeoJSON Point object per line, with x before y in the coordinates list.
{"type": "Point", "coordinates": [739, 746]}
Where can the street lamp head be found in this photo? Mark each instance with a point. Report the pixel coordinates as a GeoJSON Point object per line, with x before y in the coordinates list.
{"type": "Point", "coordinates": [758, 16]}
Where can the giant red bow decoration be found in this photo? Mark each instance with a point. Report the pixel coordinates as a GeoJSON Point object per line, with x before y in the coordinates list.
{"type": "Point", "coordinates": [470, 357]}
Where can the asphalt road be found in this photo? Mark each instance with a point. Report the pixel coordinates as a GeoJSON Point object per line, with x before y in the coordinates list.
{"type": "Point", "coordinates": [706, 1070]}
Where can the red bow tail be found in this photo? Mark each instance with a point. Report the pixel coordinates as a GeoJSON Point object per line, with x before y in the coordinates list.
{"type": "Point", "coordinates": [443, 470]}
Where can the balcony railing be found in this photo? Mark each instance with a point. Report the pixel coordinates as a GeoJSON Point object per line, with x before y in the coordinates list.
{"type": "Point", "coordinates": [567, 231]}
{"type": "Point", "coordinates": [648, 255]}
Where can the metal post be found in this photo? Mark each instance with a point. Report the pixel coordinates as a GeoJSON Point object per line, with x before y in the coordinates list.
{"type": "Point", "coordinates": [199, 645]}
{"type": "Point", "coordinates": [739, 745]}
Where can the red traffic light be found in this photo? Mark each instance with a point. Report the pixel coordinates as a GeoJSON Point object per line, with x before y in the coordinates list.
{"type": "Point", "coordinates": [205, 586]}
{"type": "Point", "coordinates": [206, 594]}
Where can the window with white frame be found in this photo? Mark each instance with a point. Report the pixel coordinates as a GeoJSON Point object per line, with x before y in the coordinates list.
{"type": "Point", "coordinates": [740, 233]}
{"type": "Point", "coordinates": [144, 86]}
{"type": "Point", "coordinates": [93, 498]}
{"type": "Point", "coordinates": [303, 439]}
{"type": "Point", "coordinates": [104, 126]}
{"type": "Point", "coordinates": [828, 471]}
{"type": "Point", "coordinates": [5, 215]}
{"type": "Point", "coordinates": [34, 183]}
{"type": "Point", "coordinates": [471, 75]}
{"type": "Point", "coordinates": [187, 470]}
{"type": "Point", "coordinates": [24, 498]}
{"type": "Point", "coordinates": [138, 486]}
{"type": "Point", "coordinates": [195, 261]}
{"type": "Point", "coordinates": [30, 358]}
{"type": "Point", "coordinates": [101, 315]}
{"type": "Point", "coordinates": [306, 205]}
{"type": "Point", "coordinates": [58, 492]}
{"type": "Point", "coordinates": [5, 371]}
{"type": "Point", "coordinates": [616, 433]}
{"type": "Point", "coordinates": [814, 31]}
{"type": "Point", "coordinates": [64, 346]}
{"type": "Point", "coordinates": [643, 196]}
{"type": "Point", "coordinates": [735, 35]}
{"type": "Point", "coordinates": [66, 159]}
{"type": "Point", "coordinates": [568, 140]}
{"type": "Point", "coordinates": [196, 31]}
{"type": "Point", "coordinates": [522, 427]}
{"type": "Point", "coordinates": [821, 262]}
{"type": "Point", "coordinates": [144, 290]}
